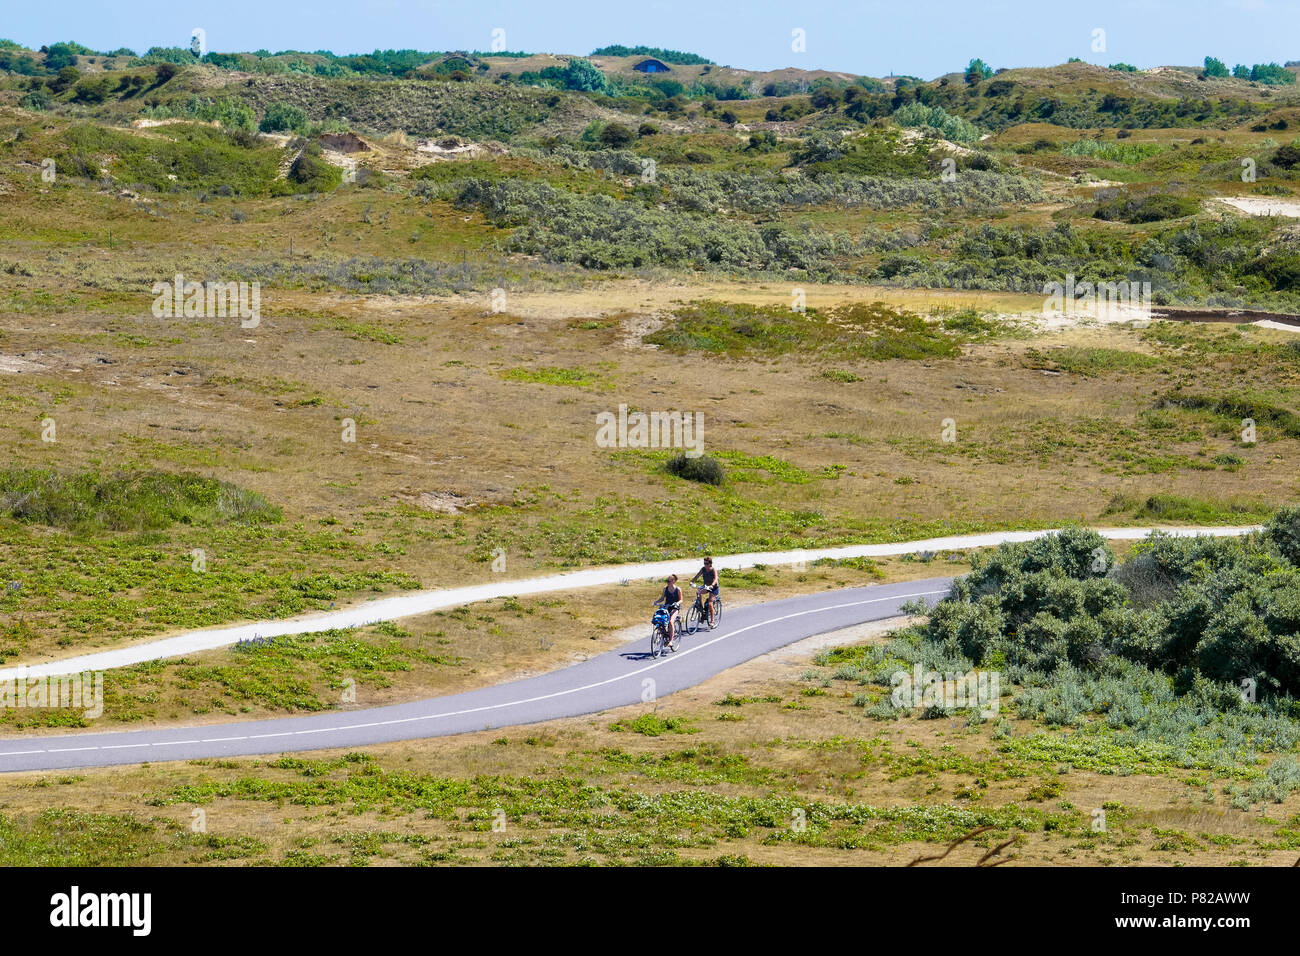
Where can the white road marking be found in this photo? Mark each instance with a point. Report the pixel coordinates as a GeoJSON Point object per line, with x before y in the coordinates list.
{"type": "Point", "coordinates": [513, 703]}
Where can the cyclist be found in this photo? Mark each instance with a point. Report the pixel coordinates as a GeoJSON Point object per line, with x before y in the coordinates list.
{"type": "Point", "coordinates": [672, 600]}
{"type": "Point", "coordinates": [708, 577]}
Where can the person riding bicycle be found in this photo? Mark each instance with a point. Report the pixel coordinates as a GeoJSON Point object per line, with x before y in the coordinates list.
{"type": "Point", "coordinates": [672, 600]}
{"type": "Point", "coordinates": [708, 577]}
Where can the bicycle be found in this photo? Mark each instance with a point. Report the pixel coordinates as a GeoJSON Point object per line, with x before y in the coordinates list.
{"type": "Point", "coordinates": [659, 635]}
{"type": "Point", "coordinates": [698, 615]}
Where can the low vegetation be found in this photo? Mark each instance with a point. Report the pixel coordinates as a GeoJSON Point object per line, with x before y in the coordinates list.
{"type": "Point", "coordinates": [132, 501]}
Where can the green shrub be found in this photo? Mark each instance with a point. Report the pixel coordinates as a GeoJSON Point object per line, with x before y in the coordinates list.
{"type": "Point", "coordinates": [584, 76]}
{"type": "Point", "coordinates": [704, 468]}
{"type": "Point", "coordinates": [1283, 530]}
{"type": "Point", "coordinates": [1211, 613]}
{"type": "Point", "coordinates": [37, 101]}
{"type": "Point", "coordinates": [92, 91]}
{"type": "Point", "coordinates": [311, 172]}
{"type": "Point", "coordinates": [1153, 208]}
{"type": "Point", "coordinates": [616, 136]}
{"type": "Point", "coordinates": [1270, 74]}
{"type": "Point", "coordinates": [933, 117]}
{"type": "Point", "coordinates": [1286, 157]}
{"type": "Point", "coordinates": [283, 117]}
{"type": "Point", "coordinates": [65, 78]}
{"type": "Point", "coordinates": [1236, 408]}
{"type": "Point", "coordinates": [1215, 67]}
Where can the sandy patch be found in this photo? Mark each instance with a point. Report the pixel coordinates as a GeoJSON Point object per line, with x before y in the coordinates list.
{"type": "Point", "coordinates": [452, 148]}
{"type": "Point", "coordinates": [1052, 321]}
{"type": "Point", "coordinates": [911, 136]}
{"type": "Point", "coordinates": [149, 123]}
{"type": "Point", "coordinates": [14, 364]}
{"type": "Point", "coordinates": [1263, 205]}
{"type": "Point", "coordinates": [442, 502]}
{"type": "Point", "coordinates": [636, 328]}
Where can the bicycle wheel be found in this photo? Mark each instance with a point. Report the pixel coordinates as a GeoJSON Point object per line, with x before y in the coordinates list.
{"type": "Point", "coordinates": [694, 618]}
{"type": "Point", "coordinates": [717, 610]}
{"type": "Point", "coordinates": [657, 638]}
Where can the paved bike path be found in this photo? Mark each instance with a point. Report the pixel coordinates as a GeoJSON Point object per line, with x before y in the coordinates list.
{"type": "Point", "coordinates": [625, 675]}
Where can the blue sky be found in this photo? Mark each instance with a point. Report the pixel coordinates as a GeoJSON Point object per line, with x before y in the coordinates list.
{"type": "Point", "coordinates": [921, 37]}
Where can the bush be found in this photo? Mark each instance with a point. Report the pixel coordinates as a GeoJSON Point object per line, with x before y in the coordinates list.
{"type": "Point", "coordinates": [865, 332]}
{"type": "Point", "coordinates": [1283, 530]}
{"type": "Point", "coordinates": [311, 172]}
{"type": "Point", "coordinates": [59, 56]}
{"type": "Point", "coordinates": [1214, 67]}
{"type": "Point", "coordinates": [584, 76]}
{"type": "Point", "coordinates": [65, 78]}
{"type": "Point", "coordinates": [1209, 612]}
{"type": "Point", "coordinates": [1270, 74]}
{"type": "Point", "coordinates": [1153, 208]}
{"type": "Point", "coordinates": [601, 232]}
{"type": "Point", "coordinates": [667, 56]}
{"type": "Point", "coordinates": [283, 117]}
{"type": "Point", "coordinates": [616, 136]}
{"type": "Point", "coordinates": [92, 91]}
{"type": "Point", "coordinates": [933, 117]}
{"type": "Point", "coordinates": [36, 101]}
{"type": "Point", "coordinates": [703, 469]}
{"type": "Point", "coordinates": [1286, 157]}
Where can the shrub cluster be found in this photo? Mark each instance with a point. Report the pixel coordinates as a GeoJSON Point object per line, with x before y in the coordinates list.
{"type": "Point", "coordinates": [1210, 612]}
{"type": "Point", "coordinates": [600, 232]}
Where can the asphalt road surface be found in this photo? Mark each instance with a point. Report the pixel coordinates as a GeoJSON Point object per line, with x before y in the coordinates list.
{"type": "Point", "coordinates": [626, 675]}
